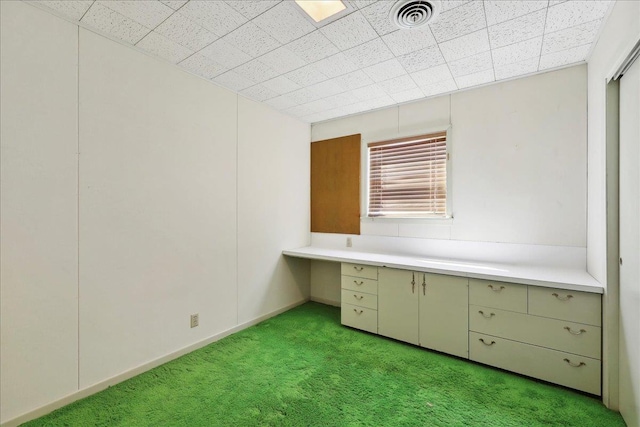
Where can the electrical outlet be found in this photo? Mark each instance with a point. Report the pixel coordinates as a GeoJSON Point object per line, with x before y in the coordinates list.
{"type": "Point", "coordinates": [195, 320]}
{"type": "Point", "coordinates": [349, 242]}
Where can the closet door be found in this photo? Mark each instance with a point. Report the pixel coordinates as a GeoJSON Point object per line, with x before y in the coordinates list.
{"type": "Point", "coordinates": [398, 304]}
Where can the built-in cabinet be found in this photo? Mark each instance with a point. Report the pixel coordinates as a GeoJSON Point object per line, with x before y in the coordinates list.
{"type": "Point", "coordinates": [547, 333]}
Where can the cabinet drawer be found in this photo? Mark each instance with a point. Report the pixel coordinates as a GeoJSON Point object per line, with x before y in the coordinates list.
{"type": "Point", "coordinates": [359, 284]}
{"type": "Point", "coordinates": [360, 270]}
{"type": "Point", "coordinates": [579, 307]}
{"type": "Point", "coordinates": [556, 334]}
{"type": "Point", "coordinates": [569, 370]}
{"type": "Point", "coordinates": [360, 299]}
{"type": "Point", "coordinates": [506, 296]}
{"type": "Point", "coordinates": [359, 317]}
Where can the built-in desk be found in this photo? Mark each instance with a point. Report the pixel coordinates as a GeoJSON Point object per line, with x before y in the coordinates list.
{"type": "Point", "coordinates": [537, 321]}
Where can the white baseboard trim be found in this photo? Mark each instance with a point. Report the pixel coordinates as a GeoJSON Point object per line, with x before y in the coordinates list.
{"type": "Point", "coordinates": [326, 301]}
{"type": "Point", "coordinates": [102, 385]}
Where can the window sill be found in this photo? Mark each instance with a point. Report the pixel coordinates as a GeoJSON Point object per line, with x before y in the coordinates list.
{"type": "Point", "coordinates": [409, 220]}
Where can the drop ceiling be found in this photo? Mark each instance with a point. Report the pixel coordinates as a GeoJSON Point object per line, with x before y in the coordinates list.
{"type": "Point", "coordinates": [268, 51]}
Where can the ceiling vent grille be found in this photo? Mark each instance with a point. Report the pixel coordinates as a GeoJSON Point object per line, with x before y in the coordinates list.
{"type": "Point", "coordinates": [408, 14]}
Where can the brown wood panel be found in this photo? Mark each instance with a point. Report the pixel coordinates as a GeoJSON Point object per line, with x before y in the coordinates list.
{"type": "Point", "coordinates": [335, 185]}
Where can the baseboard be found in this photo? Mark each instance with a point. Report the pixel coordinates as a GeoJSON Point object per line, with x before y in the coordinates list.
{"type": "Point", "coordinates": [326, 301]}
{"type": "Point", "coordinates": [102, 385]}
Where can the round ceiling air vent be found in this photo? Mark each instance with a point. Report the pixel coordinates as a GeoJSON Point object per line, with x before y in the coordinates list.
{"type": "Point", "coordinates": [414, 13]}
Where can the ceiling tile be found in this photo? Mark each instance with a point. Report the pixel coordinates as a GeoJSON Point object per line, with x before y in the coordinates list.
{"type": "Point", "coordinates": [571, 13]}
{"type": "Point", "coordinates": [378, 16]}
{"type": "Point", "coordinates": [335, 65]}
{"type": "Point", "coordinates": [341, 99]}
{"type": "Point", "coordinates": [398, 84]}
{"type": "Point", "coordinates": [402, 42]}
{"type": "Point", "coordinates": [517, 52]}
{"type": "Point", "coordinates": [314, 118]}
{"type": "Point", "coordinates": [421, 59]}
{"type": "Point", "coordinates": [233, 81]}
{"type": "Point", "coordinates": [407, 95]}
{"type": "Point", "coordinates": [369, 53]}
{"type": "Point", "coordinates": [72, 9]}
{"type": "Point", "coordinates": [174, 4]}
{"type": "Point", "coordinates": [439, 87]}
{"type": "Point", "coordinates": [184, 31]}
{"type": "Point", "coordinates": [369, 92]}
{"type": "Point", "coordinates": [381, 102]}
{"type": "Point", "coordinates": [282, 60]}
{"type": "Point", "coordinates": [452, 4]}
{"type": "Point", "coordinates": [517, 30]}
{"type": "Point", "coordinates": [252, 40]}
{"type": "Point", "coordinates": [564, 57]}
{"type": "Point", "coordinates": [303, 96]}
{"type": "Point", "coordinates": [256, 71]}
{"type": "Point", "coordinates": [319, 105]}
{"type": "Point", "coordinates": [353, 80]}
{"type": "Point", "coordinates": [466, 45]}
{"type": "Point", "coordinates": [281, 102]}
{"type": "Point", "coordinates": [517, 69]}
{"type": "Point", "coordinates": [281, 85]}
{"type": "Point", "coordinates": [432, 75]}
{"type": "Point", "coordinates": [259, 93]}
{"type": "Point", "coordinates": [326, 88]}
{"type": "Point", "coordinates": [148, 13]}
{"type": "Point", "coordinates": [284, 22]}
{"type": "Point", "coordinates": [556, 2]}
{"type": "Point", "coordinates": [460, 21]}
{"type": "Point", "coordinates": [475, 79]}
{"type": "Point", "coordinates": [313, 47]}
{"type": "Point", "coordinates": [471, 65]}
{"type": "Point", "coordinates": [306, 75]}
{"type": "Point", "coordinates": [350, 31]}
{"type": "Point", "coordinates": [362, 3]}
{"type": "Point", "coordinates": [385, 70]}
{"type": "Point", "coordinates": [202, 66]}
{"type": "Point", "coordinates": [299, 111]}
{"type": "Point", "coordinates": [161, 46]}
{"type": "Point", "coordinates": [503, 10]}
{"type": "Point", "coordinates": [215, 16]}
{"type": "Point", "coordinates": [114, 24]}
{"type": "Point", "coordinates": [251, 9]}
{"type": "Point", "coordinates": [570, 37]}
{"type": "Point", "coordinates": [225, 54]}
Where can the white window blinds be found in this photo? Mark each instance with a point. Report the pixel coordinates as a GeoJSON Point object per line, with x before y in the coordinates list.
{"type": "Point", "coordinates": [408, 177]}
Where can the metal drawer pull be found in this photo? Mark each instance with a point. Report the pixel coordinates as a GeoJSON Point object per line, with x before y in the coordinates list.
{"type": "Point", "coordinates": [485, 316]}
{"type": "Point", "coordinates": [492, 342]}
{"type": "Point", "coordinates": [581, 331]}
{"type": "Point", "coordinates": [496, 289]}
{"type": "Point", "coordinates": [413, 284]}
{"type": "Point", "coordinates": [358, 297]}
{"type": "Point", "coordinates": [567, 298]}
{"type": "Point", "coordinates": [359, 284]}
{"type": "Point", "coordinates": [358, 268]}
{"type": "Point", "coordinates": [358, 312]}
{"type": "Point", "coordinates": [575, 365]}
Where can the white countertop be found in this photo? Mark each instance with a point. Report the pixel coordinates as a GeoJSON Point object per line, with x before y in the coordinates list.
{"type": "Point", "coordinates": [552, 277]}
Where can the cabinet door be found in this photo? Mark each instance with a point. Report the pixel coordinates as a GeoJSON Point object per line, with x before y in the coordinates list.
{"type": "Point", "coordinates": [398, 304]}
{"type": "Point", "coordinates": [444, 315]}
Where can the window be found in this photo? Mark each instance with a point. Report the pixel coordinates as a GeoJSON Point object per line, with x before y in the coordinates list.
{"type": "Point", "coordinates": [408, 177]}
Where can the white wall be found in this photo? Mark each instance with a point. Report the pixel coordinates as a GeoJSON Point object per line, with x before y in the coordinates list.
{"type": "Point", "coordinates": [165, 206]}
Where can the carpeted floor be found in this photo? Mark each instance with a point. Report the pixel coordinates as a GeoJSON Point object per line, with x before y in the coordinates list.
{"type": "Point", "coordinates": [303, 368]}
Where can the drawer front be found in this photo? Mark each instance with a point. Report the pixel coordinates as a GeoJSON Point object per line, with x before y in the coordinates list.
{"type": "Point", "coordinates": [574, 306]}
{"type": "Point", "coordinates": [556, 334]}
{"type": "Point", "coordinates": [360, 285]}
{"type": "Point", "coordinates": [360, 299]}
{"type": "Point", "coordinates": [359, 270]}
{"type": "Point", "coordinates": [506, 296]}
{"type": "Point", "coordinates": [360, 318]}
{"type": "Point", "coordinates": [578, 372]}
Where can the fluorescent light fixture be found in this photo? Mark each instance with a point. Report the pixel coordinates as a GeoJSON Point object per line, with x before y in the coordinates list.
{"type": "Point", "coordinates": [321, 9]}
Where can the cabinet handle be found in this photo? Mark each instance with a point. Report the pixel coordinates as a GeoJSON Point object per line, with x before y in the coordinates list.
{"type": "Point", "coordinates": [575, 365]}
{"type": "Point", "coordinates": [485, 316]}
{"type": "Point", "coordinates": [358, 268]}
{"type": "Point", "coordinates": [567, 298]}
{"type": "Point", "coordinates": [359, 284]}
{"type": "Point", "coordinates": [358, 297]}
{"type": "Point", "coordinates": [424, 284]}
{"type": "Point", "coordinates": [496, 289]}
{"type": "Point", "coordinates": [580, 332]}
{"type": "Point", "coordinates": [358, 312]}
{"type": "Point", "coordinates": [490, 344]}
{"type": "Point", "coordinates": [413, 283]}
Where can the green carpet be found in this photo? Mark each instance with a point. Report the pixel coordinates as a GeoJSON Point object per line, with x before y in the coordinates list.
{"type": "Point", "coordinates": [303, 368]}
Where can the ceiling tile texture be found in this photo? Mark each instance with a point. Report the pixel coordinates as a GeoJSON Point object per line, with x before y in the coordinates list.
{"type": "Point", "coordinates": [269, 51]}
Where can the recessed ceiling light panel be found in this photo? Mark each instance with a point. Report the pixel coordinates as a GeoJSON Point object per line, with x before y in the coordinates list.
{"type": "Point", "coordinates": [321, 9]}
{"type": "Point", "coordinates": [408, 14]}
